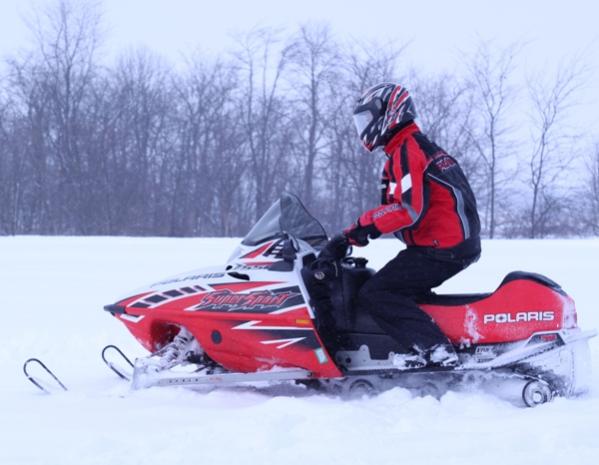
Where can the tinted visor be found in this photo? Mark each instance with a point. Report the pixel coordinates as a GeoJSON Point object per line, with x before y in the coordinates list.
{"type": "Point", "coordinates": [362, 120]}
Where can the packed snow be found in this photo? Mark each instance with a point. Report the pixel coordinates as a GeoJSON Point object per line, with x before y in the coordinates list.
{"type": "Point", "coordinates": [52, 294]}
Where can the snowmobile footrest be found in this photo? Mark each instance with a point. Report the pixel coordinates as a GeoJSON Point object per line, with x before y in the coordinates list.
{"type": "Point", "coordinates": [144, 380]}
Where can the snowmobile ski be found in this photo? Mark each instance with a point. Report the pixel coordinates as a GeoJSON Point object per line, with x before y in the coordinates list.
{"type": "Point", "coordinates": [47, 386]}
{"type": "Point", "coordinates": [109, 355]}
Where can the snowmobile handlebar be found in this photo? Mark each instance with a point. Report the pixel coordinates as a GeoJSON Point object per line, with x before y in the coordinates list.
{"type": "Point", "coordinates": [335, 249]}
{"type": "Point", "coordinates": [326, 266]}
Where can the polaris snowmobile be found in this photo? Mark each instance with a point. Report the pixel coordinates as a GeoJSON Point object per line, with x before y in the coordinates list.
{"type": "Point", "coordinates": [276, 311]}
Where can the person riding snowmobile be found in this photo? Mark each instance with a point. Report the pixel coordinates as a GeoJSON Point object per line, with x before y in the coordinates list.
{"type": "Point", "coordinates": [426, 202]}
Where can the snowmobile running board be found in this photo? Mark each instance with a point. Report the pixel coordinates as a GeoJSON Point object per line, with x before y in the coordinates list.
{"type": "Point", "coordinates": [145, 380]}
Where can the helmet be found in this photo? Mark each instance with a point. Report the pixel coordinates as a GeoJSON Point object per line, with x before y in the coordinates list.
{"type": "Point", "coordinates": [381, 111]}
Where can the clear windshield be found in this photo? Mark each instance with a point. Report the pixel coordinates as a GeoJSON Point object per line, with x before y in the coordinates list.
{"type": "Point", "coordinates": [287, 215]}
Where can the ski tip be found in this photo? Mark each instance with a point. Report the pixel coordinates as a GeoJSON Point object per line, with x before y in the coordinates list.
{"type": "Point", "coordinates": [37, 382]}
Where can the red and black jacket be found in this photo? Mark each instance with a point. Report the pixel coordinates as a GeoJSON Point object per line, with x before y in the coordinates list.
{"type": "Point", "coordinates": [427, 200]}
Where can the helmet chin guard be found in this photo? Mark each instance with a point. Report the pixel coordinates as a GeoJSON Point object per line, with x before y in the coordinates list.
{"type": "Point", "coordinates": [380, 112]}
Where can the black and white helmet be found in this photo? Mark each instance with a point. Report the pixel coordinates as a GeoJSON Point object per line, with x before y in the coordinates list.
{"type": "Point", "coordinates": [380, 112]}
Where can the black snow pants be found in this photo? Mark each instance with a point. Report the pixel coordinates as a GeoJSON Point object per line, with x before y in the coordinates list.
{"type": "Point", "coordinates": [389, 296]}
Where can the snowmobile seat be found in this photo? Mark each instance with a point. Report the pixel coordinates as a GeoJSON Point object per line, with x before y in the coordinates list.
{"type": "Point", "coordinates": [463, 299]}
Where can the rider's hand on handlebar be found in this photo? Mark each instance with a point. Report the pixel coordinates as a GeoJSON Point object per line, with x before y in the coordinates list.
{"type": "Point", "coordinates": [335, 249]}
{"type": "Point", "coordinates": [358, 235]}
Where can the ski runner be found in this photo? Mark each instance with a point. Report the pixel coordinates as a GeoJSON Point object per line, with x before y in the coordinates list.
{"type": "Point", "coordinates": [426, 202]}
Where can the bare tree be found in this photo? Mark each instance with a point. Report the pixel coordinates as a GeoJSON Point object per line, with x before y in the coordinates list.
{"type": "Point", "coordinates": [445, 105]}
{"type": "Point", "coordinates": [314, 68]}
{"type": "Point", "coordinates": [550, 157]}
{"type": "Point", "coordinates": [139, 147]}
{"type": "Point", "coordinates": [491, 75]}
{"type": "Point", "coordinates": [263, 57]}
{"type": "Point", "coordinates": [56, 83]}
{"type": "Point", "coordinates": [210, 159]}
{"type": "Point", "coordinates": [141, 151]}
{"type": "Point", "coordinates": [11, 167]}
{"type": "Point", "coordinates": [591, 192]}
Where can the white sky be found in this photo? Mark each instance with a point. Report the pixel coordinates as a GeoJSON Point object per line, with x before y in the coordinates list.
{"type": "Point", "coordinates": [437, 29]}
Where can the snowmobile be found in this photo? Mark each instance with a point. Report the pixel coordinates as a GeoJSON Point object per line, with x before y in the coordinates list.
{"type": "Point", "coordinates": [276, 311]}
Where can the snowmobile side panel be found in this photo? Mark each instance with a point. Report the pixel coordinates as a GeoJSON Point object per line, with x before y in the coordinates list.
{"type": "Point", "coordinates": [515, 311]}
{"type": "Point", "coordinates": [267, 318]}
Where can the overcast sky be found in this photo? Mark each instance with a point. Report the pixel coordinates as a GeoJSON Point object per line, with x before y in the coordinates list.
{"type": "Point", "coordinates": [437, 30]}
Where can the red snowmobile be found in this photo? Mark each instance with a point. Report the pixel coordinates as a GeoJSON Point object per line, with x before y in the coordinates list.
{"type": "Point", "coordinates": [277, 312]}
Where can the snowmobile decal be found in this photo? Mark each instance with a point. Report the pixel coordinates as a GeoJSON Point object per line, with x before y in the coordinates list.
{"type": "Point", "coordinates": [159, 298]}
{"type": "Point", "coordinates": [132, 318]}
{"type": "Point", "coordinates": [276, 250]}
{"type": "Point", "coordinates": [257, 252]}
{"type": "Point", "coordinates": [251, 266]}
{"type": "Point", "coordinates": [255, 324]}
{"type": "Point", "coordinates": [283, 335]}
{"type": "Point", "coordinates": [257, 301]}
{"type": "Point", "coordinates": [282, 343]}
{"type": "Point", "coordinates": [502, 318]}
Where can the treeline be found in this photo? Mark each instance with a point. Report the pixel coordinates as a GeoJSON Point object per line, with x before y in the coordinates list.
{"type": "Point", "coordinates": [144, 148]}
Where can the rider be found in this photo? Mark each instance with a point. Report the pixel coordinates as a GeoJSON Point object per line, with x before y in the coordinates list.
{"type": "Point", "coordinates": [427, 202]}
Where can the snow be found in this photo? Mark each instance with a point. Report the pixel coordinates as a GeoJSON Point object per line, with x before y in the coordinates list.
{"type": "Point", "coordinates": [51, 294]}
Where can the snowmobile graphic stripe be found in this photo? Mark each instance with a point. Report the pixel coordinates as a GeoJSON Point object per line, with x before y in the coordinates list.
{"type": "Point", "coordinates": [156, 298]}
{"type": "Point", "coordinates": [305, 336]}
{"type": "Point", "coordinates": [309, 339]}
{"type": "Point", "coordinates": [174, 293]}
{"type": "Point", "coordinates": [140, 305]}
{"type": "Point", "coordinates": [282, 343]}
{"type": "Point", "coordinates": [255, 325]}
{"type": "Point", "coordinates": [160, 298]}
{"type": "Point", "coordinates": [132, 318]}
{"type": "Point", "coordinates": [134, 298]}
{"type": "Point", "coordinates": [257, 252]}
{"type": "Point", "coordinates": [301, 306]}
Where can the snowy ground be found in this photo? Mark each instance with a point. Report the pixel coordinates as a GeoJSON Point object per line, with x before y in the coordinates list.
{"type": "Point", "coordinates": [52, 293]}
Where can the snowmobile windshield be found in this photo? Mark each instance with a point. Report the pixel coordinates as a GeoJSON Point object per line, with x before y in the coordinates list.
{"type": "Point", "coordinates": [287, 215]}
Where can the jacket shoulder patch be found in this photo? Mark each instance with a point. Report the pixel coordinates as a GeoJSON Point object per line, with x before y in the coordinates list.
{"type": "Point", "coordinates": [444, 162]}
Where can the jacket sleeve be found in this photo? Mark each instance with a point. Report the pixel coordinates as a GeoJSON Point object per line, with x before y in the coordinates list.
{"type": "Point", "coordinates": [385, 181]}
{"type": "Point", "coordinates": [407, 185]}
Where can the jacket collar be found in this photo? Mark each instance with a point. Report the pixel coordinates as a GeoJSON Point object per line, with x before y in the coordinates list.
{"type": "Point", "coordinates": [400, 137]}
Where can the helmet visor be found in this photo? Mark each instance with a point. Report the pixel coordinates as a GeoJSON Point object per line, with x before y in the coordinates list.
{"type": "Point", "coordinates": [362, 120]}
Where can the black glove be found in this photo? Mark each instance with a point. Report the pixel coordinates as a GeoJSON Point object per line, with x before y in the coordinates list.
{"type": "Point", "coordinates": [358, 235]}
{"type": "Point", "coordinates": [335, 249]}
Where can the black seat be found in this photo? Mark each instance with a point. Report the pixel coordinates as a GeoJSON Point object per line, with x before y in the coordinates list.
{"type": "Point", "coordinates": [463, 299]}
